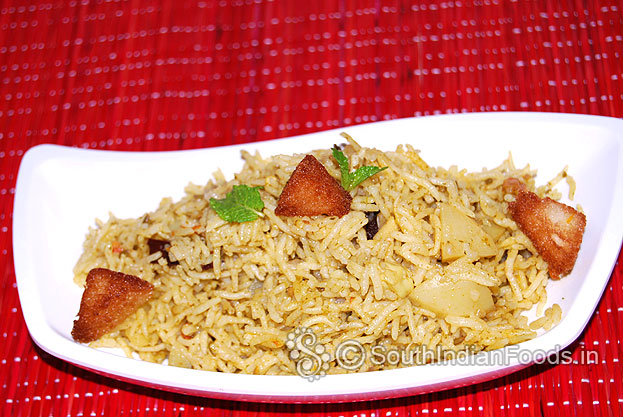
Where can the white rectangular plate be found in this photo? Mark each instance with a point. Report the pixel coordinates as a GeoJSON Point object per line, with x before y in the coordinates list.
{"type": "Point", "coordinates": [60, 191]}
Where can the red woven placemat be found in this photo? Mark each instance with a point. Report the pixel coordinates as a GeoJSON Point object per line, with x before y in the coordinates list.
{"type": "Point", "coordinates": [139, 75]}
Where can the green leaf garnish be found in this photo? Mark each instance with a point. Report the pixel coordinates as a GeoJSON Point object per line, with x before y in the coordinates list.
{"type": "Point", "coordinates": [362, 174]}
{"type": "Point", "coordinates": [352, 179]}
{"type": "Point", "coordinates": [242, 204]}
{"type": "Point", "coordinates": [342, 161]}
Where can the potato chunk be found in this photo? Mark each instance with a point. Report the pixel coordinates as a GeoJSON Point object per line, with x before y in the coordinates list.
{"type": "Point", "coordinates": [454, 298]}
{"type": "Point", "coordinates": [397, 279]}
{"type": "Point", "coordinates": [461, 234]}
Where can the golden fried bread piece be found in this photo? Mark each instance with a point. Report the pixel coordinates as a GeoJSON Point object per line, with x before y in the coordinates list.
{"type": "Point", "coordinates": [554, 228]}
{"type": "Point", "coordinates": [513, 186]}
{"type": "Point", "coordinates": [109, 298]}
{"type": "Point", "coordinates": [312, 191]}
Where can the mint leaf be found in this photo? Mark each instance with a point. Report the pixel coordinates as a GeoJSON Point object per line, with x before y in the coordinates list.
{"type": "Point", "coordinates": [362, 174]}
{"type": "Point", "coordinates": [248, 196]}
{"type": "Point", "coordinates": [242, 204]}
{"type": "Point", "coordinates": [352, 179]}
{"type": "Point", "coordinates": [342, 161]}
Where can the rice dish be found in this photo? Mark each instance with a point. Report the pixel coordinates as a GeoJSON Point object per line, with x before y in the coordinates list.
{"type": "Point", "coordinates": [228, 295]}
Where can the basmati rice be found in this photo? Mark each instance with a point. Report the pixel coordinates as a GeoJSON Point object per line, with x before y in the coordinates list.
{"type": "Point", "coordinates": [229, 293]}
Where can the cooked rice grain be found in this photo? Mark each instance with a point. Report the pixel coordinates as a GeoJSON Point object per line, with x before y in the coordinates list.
{"type": "Point", "coordinates": [228, 294]}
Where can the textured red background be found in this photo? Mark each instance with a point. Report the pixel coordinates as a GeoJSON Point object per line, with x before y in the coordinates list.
{"type": "Point", "coordinates": [140, 75]}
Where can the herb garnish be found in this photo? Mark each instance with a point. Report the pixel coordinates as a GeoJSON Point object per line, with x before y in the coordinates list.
{"type": "Point", "coordinates": [242, 204]}
{"type": "Point", "coordinates": [352, 179]}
